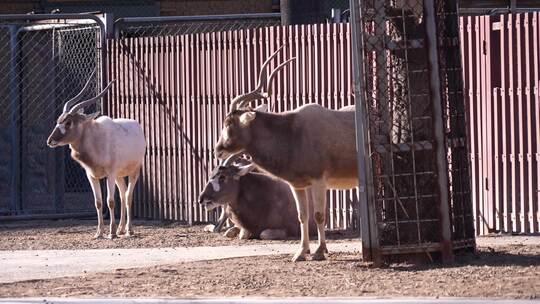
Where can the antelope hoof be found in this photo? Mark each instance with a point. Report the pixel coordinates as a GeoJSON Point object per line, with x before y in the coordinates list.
{"type": "Point", "coordinates": [244, 234]}
{"type": "Point", "coordinates": [319, 254]}
{"type": "Point", "coordinates": [121, 230]}
{"type": "Point", "coordinates": [111, 236]}
{"type": "Point", "coordinates": [129, 233]}
{"type": "Point", "coordinates": [232, 232]}
{"type": "Point", "coordinates": [99, 233]}
{"type": "Point", "coordinates": [210, 228]}
{"type": "Point", "coordinates": [300, 255]}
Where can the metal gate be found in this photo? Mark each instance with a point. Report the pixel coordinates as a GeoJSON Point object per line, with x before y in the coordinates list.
{"type": "Point", "coordinates": [418, 199]}
{"type": "Point", "coordinates": [44, 61]}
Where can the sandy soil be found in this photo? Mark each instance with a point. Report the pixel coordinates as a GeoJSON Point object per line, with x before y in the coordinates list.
{"type": "Point", "coordinates": [509, 272]}
{"type": "Point", "coordinates": [77, 234]}
{"type": "Point", "coordinates": [502, 270]}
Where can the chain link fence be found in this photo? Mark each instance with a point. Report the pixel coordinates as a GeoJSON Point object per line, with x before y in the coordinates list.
{"type": "Point", "coordinates": [181, 25]}
{"type": "Point", "coordinates": [42, 65]}
{"type": "Point", "coordinates": [417, 142]}
{"type": "Point", "coordinates": [400, 123]}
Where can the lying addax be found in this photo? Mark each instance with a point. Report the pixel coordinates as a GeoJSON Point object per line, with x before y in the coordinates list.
{"type": "Point", "coordinates": [310, 148]}
{"type": "Point", "coordinates": [104, 147]}
{"type": "Point", "coordinates": [261, 206]}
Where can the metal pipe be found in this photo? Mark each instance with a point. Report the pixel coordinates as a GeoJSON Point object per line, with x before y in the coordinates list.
{"type": "Point", "coordinates": [15, 166]}
{"type": "Point", "coordinates": [173, 19]}
{"type": "Point", "coordinates": [442, 166]}
{"type": "Point", "coordinates": [368, 231]}
{"type": "Point", "coordinates": [47, 216]}
{"type": "Point", "coordinates": [463, 11]}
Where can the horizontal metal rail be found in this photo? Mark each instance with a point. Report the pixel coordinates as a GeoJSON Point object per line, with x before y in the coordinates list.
{"type": "Point", "coordinates": [173, 19]}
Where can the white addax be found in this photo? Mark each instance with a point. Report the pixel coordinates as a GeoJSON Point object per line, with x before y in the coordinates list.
{"type": "Point", "coordinates": [104, 147]}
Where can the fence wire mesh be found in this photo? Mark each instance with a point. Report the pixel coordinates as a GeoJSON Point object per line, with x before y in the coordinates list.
{"type": "Point", "coordinates": [402, 123]}
{"type": "Point", "coordinates": [400, 120]}
{"type": "Point", "coordinates": [42, 65]}
{"type": "Point", "coordinates": [181, 27]}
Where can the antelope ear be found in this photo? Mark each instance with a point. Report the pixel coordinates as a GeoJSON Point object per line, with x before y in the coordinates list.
{"type": "Point", "coordinates": [244, 170]}
{"type": "Point", "coordinates": [91, 116]}
{"type": "Point", "coordinates": [262, 108]}
{"type": "Point", "coordinates": [247, 117]}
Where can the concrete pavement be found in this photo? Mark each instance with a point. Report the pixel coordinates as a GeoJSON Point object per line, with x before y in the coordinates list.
{"type": "Point", "coordinates": [21, 265]}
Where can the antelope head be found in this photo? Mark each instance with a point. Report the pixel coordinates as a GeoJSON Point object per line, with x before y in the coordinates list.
{"type": "Point", "coordinates": [224, 183]}
{"type": "Point", "coordinates": [71, 122]}
{"type": "Point", "coordinates": [236, 132]}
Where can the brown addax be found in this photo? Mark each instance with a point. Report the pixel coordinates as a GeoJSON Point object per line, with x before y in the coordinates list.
{"type": "Point", "coordinates": [312, 148]}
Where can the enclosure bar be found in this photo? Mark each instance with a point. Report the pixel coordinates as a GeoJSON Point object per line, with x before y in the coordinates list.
{"type": "Point", "coordinates": [206, 113]}
{"type": "Point", "coordinates": [520, 139]}
{"type": "Point", "coordinates": [144, 110]}
{"type": "Point", "coordinates": [171, 56]}
{"type": "Point", "coordinates": [513, 123]}
{"type": "Point", "coordinates": [14, 126]}
{"type": "Point", "coordinates": [477, 118]}
{"type": "Point", "coordinates": [189, 130]}
{"type": "Point", "coordinates": [442, 168]}
{"type": "Point", "coordinates": [497, 206]}
{"type": "Point", "coordinates": [536, 86]}
{"type": "Point", "coordinates": [167, 113]}
{"type": "Point", "coordinates": [505, 119]}
{"type": "Point", "coordinates": [486, 110]}
{"type": "Point", "coordinates": [367, 217]}
{"type": "Point", "coordinates": [149, 134]}
{"type": "Point", "coordinates": [529, 103]}
{"type": "Point", "coordinates": [199, 126]}
{"type": "Point", "coordinates": [493, 129]}
{"type": "Point", "coordinates": [135, 207]}
{"type": "Point", "coordinates": [209, 111]}
{"type": "Point", "coordinates": [195, 106]}
{"type": "Point", "coordinates": [523, 33]}
{"type": "Point", "coordinates": [186, 214]}
{"type": "Point", "coordinates": [178, 133]}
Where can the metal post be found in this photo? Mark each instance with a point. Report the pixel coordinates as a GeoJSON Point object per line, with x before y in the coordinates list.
{"type": "Point", "coordinates": [109, 25]}
{"type": "Point", "coordinates": [286, 11]}
{"type": "Point", "coordinates": [368, 224]}
{"type": "Point", "coordinates": [15, 166]}
{"type": "Point", "coordinates": [336, 15]}
{"type": "Point", "coordinates": [442, 166]}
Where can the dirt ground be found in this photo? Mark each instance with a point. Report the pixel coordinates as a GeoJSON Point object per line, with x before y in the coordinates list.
{"type": "Point", "coordinates": [77, 234]}
{"type": "Point", "coordinates": [507, 271]}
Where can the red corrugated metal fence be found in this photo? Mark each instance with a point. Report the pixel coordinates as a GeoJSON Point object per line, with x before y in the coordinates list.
{"type": "Point", "coordinates": [501, 70]}
{"type": "Point", "coordinates": [180, 88]}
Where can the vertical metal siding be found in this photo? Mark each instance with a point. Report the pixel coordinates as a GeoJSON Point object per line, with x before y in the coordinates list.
{"type": "Point", "coordinates": [501, 63]}
{"type": "Point", "coordinates": [179, 88]}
